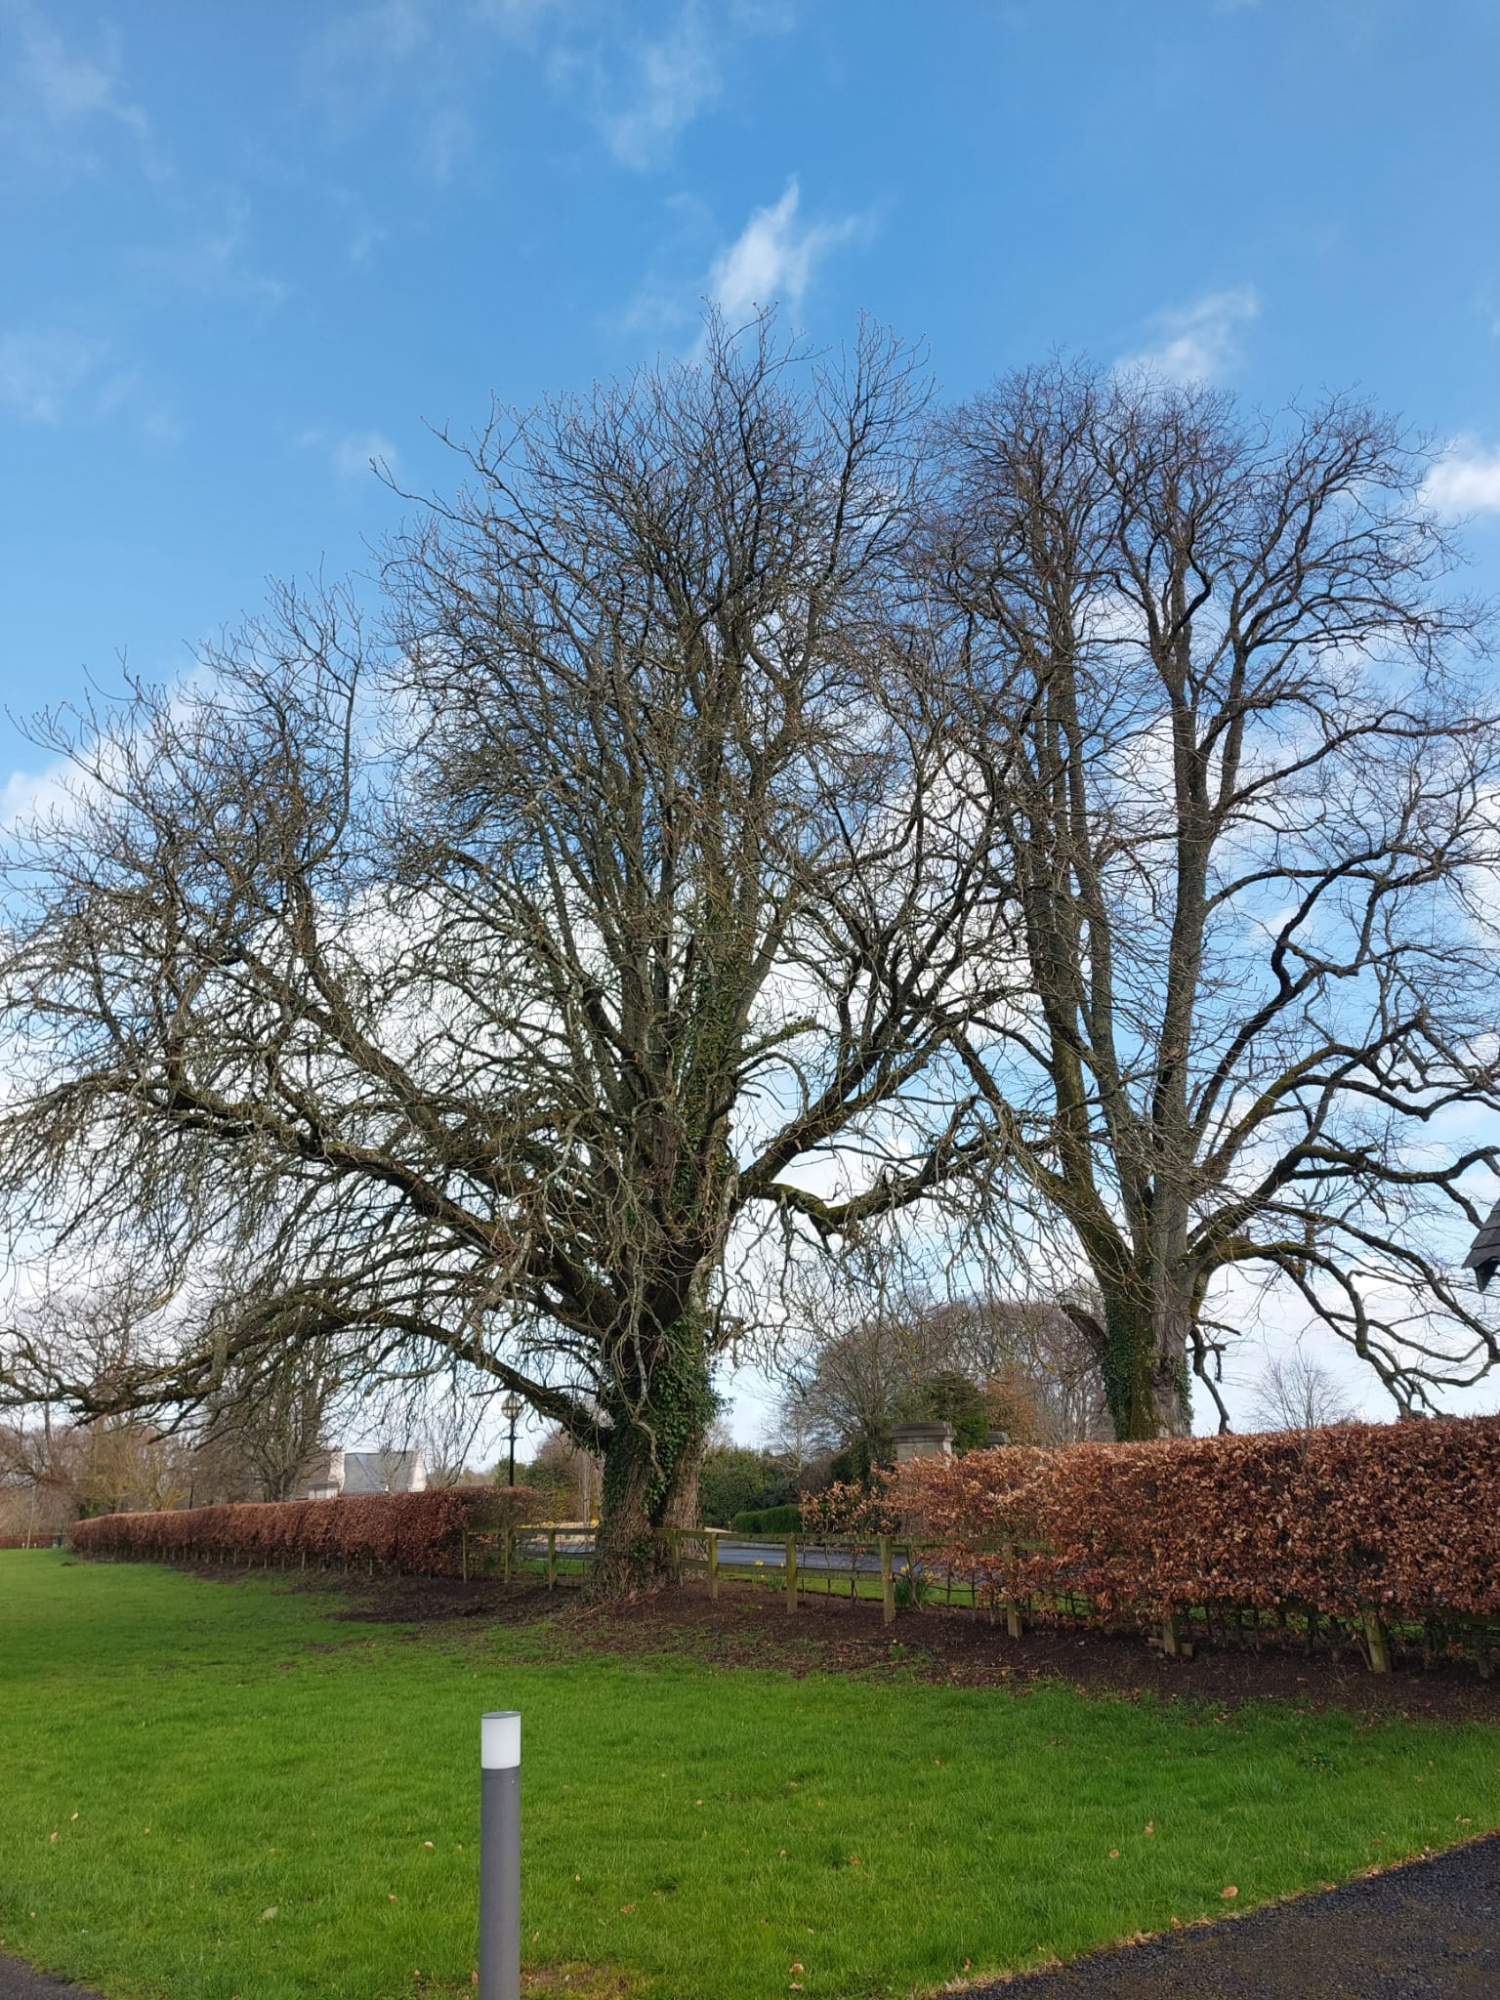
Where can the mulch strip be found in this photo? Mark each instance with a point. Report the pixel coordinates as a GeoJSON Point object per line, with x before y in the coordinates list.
{"type": "Point", "coordinates": [748, 1626]}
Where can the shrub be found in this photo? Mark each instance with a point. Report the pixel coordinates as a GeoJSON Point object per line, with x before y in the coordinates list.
{"type": "Point", "coordinates": [769, 1521]}
{"type": "Point", "coordinates": [736, 1479]}
{"type": "Point", "coordinates": [949, 1396]}
{"type": "Point", "coordinates": [405, 1532]}
{"type": "Point", "coordinates": [1403, 1519]}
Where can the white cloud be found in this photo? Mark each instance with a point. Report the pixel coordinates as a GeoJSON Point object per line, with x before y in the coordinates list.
{"type": "Point", "coordinates": [673, 79]}
{"type": "Point", "coordinates": [517, 20]}
{"type": "Point", "coordinates": [40, 372]}
{"type": "Point", "coordinates": [447, 143]}
{"type": "Point", "coordinates": [213, 263]}
{"type": "Point", "coordinates": [53, 94]}
{"type": "Point", "coordinates": [50, 378]}
{"type": "Point", "coordinates": [427, 61]}
{"type": "Point", "coordinates": [775, 256]}
{"type": "Point", "coordinates": [391, 32]}
{"type": "Point", "coordinates": [28, 796]}
{"type": "Point", "coordinates": [1467, 481]}
{"type": "Point", "coordinates": [352, 453]}
{"type": "Point", "coordinates": [1197, 342]}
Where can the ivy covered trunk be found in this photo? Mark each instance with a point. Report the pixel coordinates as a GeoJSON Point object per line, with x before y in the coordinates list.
{"type": "Point", "coordinates": [658, 1417]}
{"type": "Point", "coordinates": [1145, 1361]}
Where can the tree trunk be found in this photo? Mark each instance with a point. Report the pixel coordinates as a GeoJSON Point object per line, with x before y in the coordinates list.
{"type": "Point", "coordinates": [652, 1454]}
{"type": "Point", "coordinates": [1145, 1361]}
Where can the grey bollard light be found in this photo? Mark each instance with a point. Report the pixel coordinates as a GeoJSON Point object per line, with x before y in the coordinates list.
{"type": "Point", "coordinates": [500, 1856]}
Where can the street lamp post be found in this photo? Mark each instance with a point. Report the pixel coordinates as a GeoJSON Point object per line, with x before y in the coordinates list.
{"type": "Point", "coordinates": [512, 1408]}
{"type": "Point", "coordinates": [500, 1856]}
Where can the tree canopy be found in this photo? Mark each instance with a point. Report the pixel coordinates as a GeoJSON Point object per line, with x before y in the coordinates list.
{"type": "Point", "coordinates": [767, 816]}
{"type": "Point", "coordinates": [466, 986]}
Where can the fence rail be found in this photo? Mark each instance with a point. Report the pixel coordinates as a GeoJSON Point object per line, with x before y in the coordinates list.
{"type": "Point", "coordinates": [562, 1550]}
{"type": "Point", "coordinates": [990, 1579]}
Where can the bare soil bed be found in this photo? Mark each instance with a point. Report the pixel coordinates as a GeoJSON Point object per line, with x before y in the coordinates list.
{"type": "Point", "coordinates": [750, 1626]}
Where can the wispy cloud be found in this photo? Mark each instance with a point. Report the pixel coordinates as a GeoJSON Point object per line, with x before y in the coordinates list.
{"type": "Point", "coordinates": [65, 377]}
{"type": "Point", "coordinates": [427, 60]}
{"type": "Point", "coordinates": [41, 372]}
{"type": "Point", "coordinates": [1198, 342]}
{"type": "Point", "coordinates": [669, 82]}
{"type": "Point", "coordinates": [214, 262]}
{"type": "Point", "coordinates": [776, 256]}
{"type": "Point", "coordinates": [1467, 481]}
{"type": "Point", "coordinates": [424, 58]}
{"type": "Point", "coordinates": [55, 96]}
{"type": "Point", "coordinates": [774, 260]}
{"type": "Point", "coordinates": [352, 454]}
{"type": "Point", "coordinates": [517, 20]}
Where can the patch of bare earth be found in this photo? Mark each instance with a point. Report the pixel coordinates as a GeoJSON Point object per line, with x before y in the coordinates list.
{"type": "Point", "coordinates": [749, 1626]}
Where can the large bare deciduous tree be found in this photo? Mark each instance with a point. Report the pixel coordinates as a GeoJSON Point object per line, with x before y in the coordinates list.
{"type": "Point", "coordinates": [1225, 714]}
{"type": "Point", "coordinates": [467, 992]}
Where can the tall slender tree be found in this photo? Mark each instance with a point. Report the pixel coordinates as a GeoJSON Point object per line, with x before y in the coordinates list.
{"type": "Point", "coordinates": [1223, 713]}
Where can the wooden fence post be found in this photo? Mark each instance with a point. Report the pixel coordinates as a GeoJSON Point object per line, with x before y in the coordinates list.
{"type": "Point", "coordinates": [1378, 1640]}
{"type": "Point", "coordinates": [887, 1580]}
{"type": "Point", "coordinates": [713, 1565]}
{"type": "Point", "coordinates": [1170, 1642]}
{"type": "Point", "coordinates": [508, 1560]}
{"type": "Point", "coordinates": [1013, 1624]}
{"type": "Point", "coordinates": [791, 1573]}
{"type": "Point", "coordinates": [463, 1555]}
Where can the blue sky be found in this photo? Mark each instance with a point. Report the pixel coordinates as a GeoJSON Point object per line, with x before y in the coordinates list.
{"type": "Point", "coordinates": [248, 246]}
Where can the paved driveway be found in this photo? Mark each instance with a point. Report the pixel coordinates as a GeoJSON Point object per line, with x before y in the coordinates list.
{"type": "Point", "coordinates": [1427, 1931]}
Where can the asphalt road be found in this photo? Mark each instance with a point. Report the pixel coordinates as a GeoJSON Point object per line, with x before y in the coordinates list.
{"type": "Point", "coordinates": [19, 1981]}
{"type": "Point", "coordinates": [770, 1555]}
{"type": "Point", "coordinates": [1426, 1931]}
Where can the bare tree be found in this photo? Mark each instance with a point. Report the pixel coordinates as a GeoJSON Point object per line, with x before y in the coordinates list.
{"type": "Point", "coordinates": [1296, 1393]}
{"type": "Point", "coordinates": [1221, 707]}
{"type": "Point", "coordinates": [439, 1410]}
{"type": "Point", "coordinates": [468, 994]}
{"type": "Point", "coordinates": [576, 1475]}
{"type": "Point", "coordinates": [273, 1405]}
{"type": "Point", "coordinates": [850, 1384]}
{"type": "Point", "coordinates": [41, 1464]}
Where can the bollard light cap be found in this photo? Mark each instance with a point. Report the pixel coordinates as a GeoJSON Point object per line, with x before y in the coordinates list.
{"type": "Point", "coordinates": [500, 1740]}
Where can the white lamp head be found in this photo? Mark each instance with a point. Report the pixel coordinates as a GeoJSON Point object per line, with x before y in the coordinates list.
{"type": "Point", "coordinates": [500, 1740]}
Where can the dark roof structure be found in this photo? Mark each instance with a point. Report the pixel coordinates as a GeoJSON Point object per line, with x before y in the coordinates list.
{"type": "Point", "coordinates": [1484, 1255]}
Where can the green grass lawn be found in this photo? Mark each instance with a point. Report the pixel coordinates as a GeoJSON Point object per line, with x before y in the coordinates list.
{"type": "Point", "coordinates": [210, 1790]}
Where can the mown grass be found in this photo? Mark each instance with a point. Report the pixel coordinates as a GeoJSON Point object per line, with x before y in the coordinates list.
{"type": "Point", "coordinates": [212, 1790]}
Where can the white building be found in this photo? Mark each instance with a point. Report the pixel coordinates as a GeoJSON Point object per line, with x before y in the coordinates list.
{"type": "Point", "coordinates": [356, 1472]}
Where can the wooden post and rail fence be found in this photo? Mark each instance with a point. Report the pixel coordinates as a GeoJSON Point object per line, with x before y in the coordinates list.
{"type": "Point", "coordinates": [563, 1551]}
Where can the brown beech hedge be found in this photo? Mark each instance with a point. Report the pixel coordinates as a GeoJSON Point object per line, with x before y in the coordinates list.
{"type": "Point", "coordinates": [411, 1533]}
{"type": "Point", "coordinates": [1401, 1521]}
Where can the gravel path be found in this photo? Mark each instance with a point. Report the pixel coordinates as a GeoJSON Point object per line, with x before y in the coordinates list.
{"type": "Point", "coordinates": [1427, 1931]}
